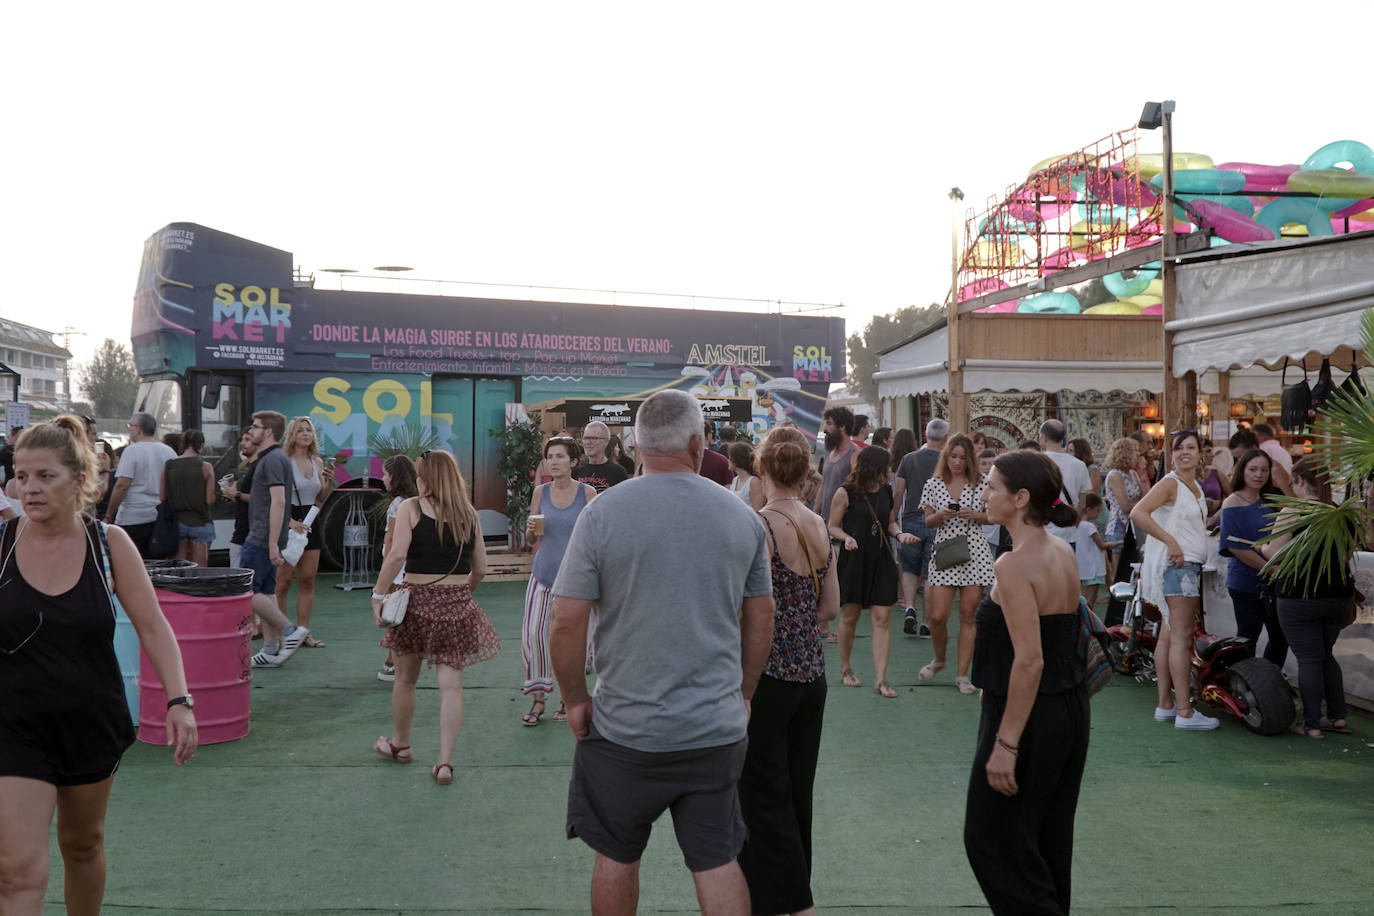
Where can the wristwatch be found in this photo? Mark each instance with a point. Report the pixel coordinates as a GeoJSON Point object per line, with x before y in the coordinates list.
{"type": "Point", "coordinates": [186, 701]}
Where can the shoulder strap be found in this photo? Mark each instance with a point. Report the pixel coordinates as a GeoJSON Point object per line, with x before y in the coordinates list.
{"type": "Point", "coordinates": [806, 550]}
{"type": "Point", "coordinates": [105, 562]}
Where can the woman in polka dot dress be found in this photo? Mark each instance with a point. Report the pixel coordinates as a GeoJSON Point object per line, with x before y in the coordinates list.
{"type": "Point", "coordinates": [953, 507]}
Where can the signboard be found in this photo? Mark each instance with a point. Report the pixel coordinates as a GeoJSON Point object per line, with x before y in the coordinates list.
{"type": "Point", "coordinates": [16, 414]}
{"type": "Point", "coordinates": [578, 412]}
{"type": "Point", "coordinates": [209, 299]}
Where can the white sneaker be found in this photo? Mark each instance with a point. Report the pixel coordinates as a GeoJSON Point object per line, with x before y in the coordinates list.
{"type": "Point", "coordinates": [289, 644]}
{"type": "Point", "coordinates": [263, 660]}
{"type": "Point", "coordinates": [1165, 715]}
{"type": "Point", "coordinates": [388, 673]}
{"type": "Point", "coordinates": [1196, 722]}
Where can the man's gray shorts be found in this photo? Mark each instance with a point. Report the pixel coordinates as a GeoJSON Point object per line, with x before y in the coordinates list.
{"type": "Point", "coordinates": [617, 793]}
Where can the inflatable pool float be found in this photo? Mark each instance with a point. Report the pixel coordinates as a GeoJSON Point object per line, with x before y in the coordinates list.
{"type": "Point", "coordinates": [1008, 306]}
{"type": "Point", "coordinates": [1113, 308]}
{"type": "Point", "coordinates": [1151, 164]}
{"type": "Point", "coordinates": [1360, 156]}
{"type": "Point", "coordinates": [1123, 288]}
{"type": "Point", "coordinates": [1231, 225]}
{"type": "Point", "coordinates": [1050, 304]}
{"type": "Point", "coordinates": [1260, 177]}
{"type": "Point", "coordinates": [1286, 210]}
{"type": "Point", "coordinates": [1153, 309]}
{"type": "Point", "coordinates": [1337, 188]}
{"type": "Point", "coordinates": [979, 287]}
{"type": "Point", "coordinates": [1202, 181]}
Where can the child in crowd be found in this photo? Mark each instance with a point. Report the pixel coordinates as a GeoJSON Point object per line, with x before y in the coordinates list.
{"type": "Point", "coordinates": [1090, 549]}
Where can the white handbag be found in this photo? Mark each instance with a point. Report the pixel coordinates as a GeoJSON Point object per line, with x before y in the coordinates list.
{"type": "Point", "coordinates": [394, 605]}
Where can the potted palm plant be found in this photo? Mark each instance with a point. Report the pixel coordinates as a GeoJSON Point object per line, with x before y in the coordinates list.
{"type": "Point", "coordinates": [1323, 533]}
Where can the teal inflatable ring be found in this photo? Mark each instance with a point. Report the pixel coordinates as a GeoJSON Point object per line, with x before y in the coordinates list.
{"type": "Point", "coordinates": [1294, 210]}
{"type": "Point", "coordinates": [1353, 151]}
{"type": "Point", "coordinates": [1122, 288]}
{"type": "Point", "coordinates": [1202, 181]}
{"type": "Point", "coordinates": [1050, 304]}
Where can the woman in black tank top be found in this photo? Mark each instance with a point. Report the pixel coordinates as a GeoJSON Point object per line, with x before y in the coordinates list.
{"type": "Point", "coordinates": [1033, 732]}
{"type": "Point", "coordinates": [63, 722]}
{"type": "Point", "coordinates": [439, 540]}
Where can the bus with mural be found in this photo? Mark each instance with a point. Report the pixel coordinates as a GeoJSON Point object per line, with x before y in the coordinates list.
{"type": "Point", "coordinates": [224, 326]}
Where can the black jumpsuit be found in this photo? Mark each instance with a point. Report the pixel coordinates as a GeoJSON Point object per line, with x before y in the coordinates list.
{"type": "Point", "coordinates": [63, 716]}
{"type": "Point", "coordinates": [1021, 848]}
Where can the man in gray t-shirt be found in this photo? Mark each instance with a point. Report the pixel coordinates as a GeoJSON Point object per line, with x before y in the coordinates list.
{"type": "Point", "coordinates": [913, 471]}
{"type": "Point", "coordinates": [678, 571]}
{"type": "Point", "coordinates": [134, 500]}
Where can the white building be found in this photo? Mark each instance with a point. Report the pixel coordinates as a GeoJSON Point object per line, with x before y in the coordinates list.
{"type": "Point", "coordinates": [42, 365]}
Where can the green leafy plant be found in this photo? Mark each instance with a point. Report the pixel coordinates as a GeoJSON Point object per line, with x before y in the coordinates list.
{"type": "Point", "coordinates": [1323, 534]}
{"type": "Point", "coordinates": [401, 439]}
{"type": "Point", "coordinates": [521, 446]}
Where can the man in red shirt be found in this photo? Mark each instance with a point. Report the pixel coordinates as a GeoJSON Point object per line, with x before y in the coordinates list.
{"type": "Point", "coordinates": [714, 465]}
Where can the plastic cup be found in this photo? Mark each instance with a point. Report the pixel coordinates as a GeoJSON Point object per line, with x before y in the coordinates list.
{"type": "Point", "coordinates": [538, 525]}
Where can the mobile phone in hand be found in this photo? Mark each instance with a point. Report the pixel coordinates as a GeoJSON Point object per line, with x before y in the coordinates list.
{"type": "Point", "coordinates": [954, 507]}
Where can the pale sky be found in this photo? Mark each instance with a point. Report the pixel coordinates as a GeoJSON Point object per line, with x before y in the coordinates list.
{"type": "Point", "coordinates": [792, 151]}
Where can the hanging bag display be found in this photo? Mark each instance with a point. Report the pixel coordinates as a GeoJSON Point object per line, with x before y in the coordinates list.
{"type": "Point", "coordinates": [1295, 401]}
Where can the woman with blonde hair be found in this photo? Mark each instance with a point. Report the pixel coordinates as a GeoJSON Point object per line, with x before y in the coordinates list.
{"type": "Point", "coordinates": [311, 483]}
{"type": "Point", "coordinates": [439, 540]}
{"type": "Point", "coordinates": [64, 723]}
{"type": "Point", "coordinates": [951, 502]}
{"type": "Point", "coordinates": [1122, 491]}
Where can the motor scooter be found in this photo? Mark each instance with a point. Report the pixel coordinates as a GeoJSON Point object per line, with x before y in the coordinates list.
{"type": "Point", "coordinates": [1225, 672]}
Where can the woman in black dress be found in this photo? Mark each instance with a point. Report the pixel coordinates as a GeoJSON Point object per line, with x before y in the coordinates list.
{"type": "Point", "coordinates": [63, 720]}
{"type": "Point", "coordinates": [861, 518]}
{"type": "Point", "coordinates": [1033, 734]}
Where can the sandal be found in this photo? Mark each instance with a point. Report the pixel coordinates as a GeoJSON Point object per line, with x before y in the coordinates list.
{"type": "Point", "coordinates": [833, 638]}
{"type": "Point", "coordinates": [848, 677]}
{"type": "Point", "coordinates": [312, 643]}
{"type": "Point", "coordinates": [400, 754]}
{"type": "Point", "coordinates": [532, 717]}
{"type": "Point", "coordinates": [930, 670]}
{"type": "Point", "coordinates": [884, 689]}
{"type": "Point", "coordinates": [562, 714]}
{"type": "Point", "coordinates": [965, 686]}
{"type": "Point", "coordinates": [442, 780]}
{"type": "Point", "coordinates": [1337, 726]}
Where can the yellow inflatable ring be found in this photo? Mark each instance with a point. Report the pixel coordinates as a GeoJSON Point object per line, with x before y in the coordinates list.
{"type": "Point", "coordinates": [1151, 164]}
{"type": "Point", "coordinates": [1113, 308]}
{"type": "Point", "coordinates": [1333, 183]}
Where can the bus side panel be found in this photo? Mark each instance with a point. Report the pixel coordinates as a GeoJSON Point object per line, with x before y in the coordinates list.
{"type": "Point", "coordinates": [352, 409]}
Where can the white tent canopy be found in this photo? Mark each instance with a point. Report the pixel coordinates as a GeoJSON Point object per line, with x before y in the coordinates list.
{"type": "Point", "coordinates": [1248, 304]}
{"type": "Point", "coordinates": [921, 366]}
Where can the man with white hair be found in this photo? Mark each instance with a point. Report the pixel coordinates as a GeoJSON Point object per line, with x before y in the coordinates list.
{"type": "Point", "coordinates": [598, 470]}
{"type": "Point", "coordinates": [678, 570]}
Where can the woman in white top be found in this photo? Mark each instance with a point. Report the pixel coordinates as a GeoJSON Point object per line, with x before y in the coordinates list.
{"type": "Point", "coordinates": [745, 485]}
{"type": "Point", "coordinates": [311, 485]}
{"type": "Point", "coordinates": [1174, 516]}
{"type": "Point", "coordinates": [398, 480]}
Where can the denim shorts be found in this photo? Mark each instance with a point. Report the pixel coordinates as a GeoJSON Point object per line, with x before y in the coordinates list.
{"type": "Point", "coordinates": [1184, 581]}
{"type": "Point", "coordinates": [915, 558]}
{"type": "Point", "coordinates": [201, 534]}
{"type": "Point", "coordinates": [264, 573]}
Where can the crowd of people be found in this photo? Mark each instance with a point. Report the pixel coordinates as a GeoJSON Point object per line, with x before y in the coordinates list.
{"type": "Point", "coordinates": [722, 725]}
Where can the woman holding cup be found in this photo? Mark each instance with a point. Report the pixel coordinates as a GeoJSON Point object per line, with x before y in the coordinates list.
{"type": "Point", "coordinates": [554, 509]}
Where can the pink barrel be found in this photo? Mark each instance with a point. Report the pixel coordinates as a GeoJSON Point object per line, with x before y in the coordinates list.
{"type": "Point", "coordinates": [215, 636]}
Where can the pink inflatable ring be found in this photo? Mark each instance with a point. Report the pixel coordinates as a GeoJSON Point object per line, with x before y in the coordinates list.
{"type": "Point", "coordinates": [1230, 225]}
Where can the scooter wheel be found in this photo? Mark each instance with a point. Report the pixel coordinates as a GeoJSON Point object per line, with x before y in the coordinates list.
{"type": "Point", "coordinates": [1258, 686]}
